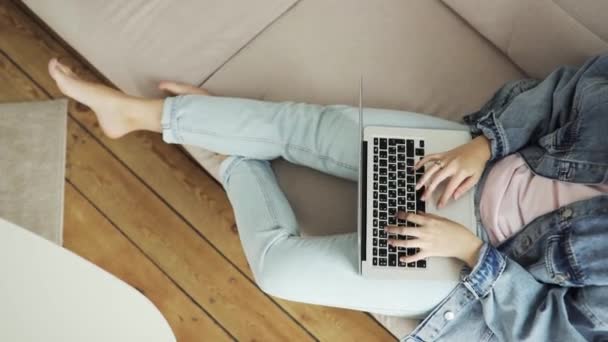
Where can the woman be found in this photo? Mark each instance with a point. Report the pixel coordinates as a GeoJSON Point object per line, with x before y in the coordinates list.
{"type": "Point", "coordinates": [538, 270]}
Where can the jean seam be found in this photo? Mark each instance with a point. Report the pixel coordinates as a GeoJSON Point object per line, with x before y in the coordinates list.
{"type": "Point", "coordinates": [269, 141]}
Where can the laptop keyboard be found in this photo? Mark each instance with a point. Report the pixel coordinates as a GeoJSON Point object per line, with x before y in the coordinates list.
{"type": "Point", "coordinates": [394, 189]}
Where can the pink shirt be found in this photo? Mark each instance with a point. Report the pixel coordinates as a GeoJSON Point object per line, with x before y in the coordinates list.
{"type": "Point", "coordinates": [513, 196]}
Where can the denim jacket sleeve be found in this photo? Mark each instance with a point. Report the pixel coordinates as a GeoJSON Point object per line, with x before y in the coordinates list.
{"type": "Point", "coordinates": [517, 307]}
{"type": "Point", "coordinates": [524, 111]}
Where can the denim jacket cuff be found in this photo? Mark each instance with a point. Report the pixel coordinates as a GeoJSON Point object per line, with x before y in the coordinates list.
{"type": "Point", "coordinates": [485, 123]}
{"type": "Point", "coordinates": [487, 270]}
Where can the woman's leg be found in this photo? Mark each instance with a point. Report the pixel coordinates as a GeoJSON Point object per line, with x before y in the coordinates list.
{"type": "Point", "coordinates": [325, 138]}
{"type": "Point", "coordinates": [316, 270]}
{"type": "Point", "coordinates": [319, 270]}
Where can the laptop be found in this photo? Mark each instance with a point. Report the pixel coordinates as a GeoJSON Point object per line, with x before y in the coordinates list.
{"type": "Point", "coordinates": [387, 182]}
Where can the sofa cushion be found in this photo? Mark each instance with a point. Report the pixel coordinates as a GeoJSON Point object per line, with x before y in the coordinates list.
{"type": "Point", "coordinates": [540, 35]}
{"type": "Point", "coordinates": [136, 43]}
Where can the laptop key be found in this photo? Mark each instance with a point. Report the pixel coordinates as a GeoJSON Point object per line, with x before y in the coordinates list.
{"type": "Point", "coordinates": [375, 251]}
{"type": "Point", "coordinates": [419, 152]}
{"type": "Point", "coordinates": [382, 262]}
{"type": "Point", "coordinates": [375, 231]}
{"type": "Point", "coordinates": [375, 261]}
{"type": "Point", "coordinates": [411, 264]}
{"type": "Point", "coordinates": [392, 260]}
{"type": "Point", "coordinates": [410, 147]}
{"type": "Point", "coordinates": [421, 263]}
{"type": "Point", "coordinates": [383, 143]}
{"type": "Point", "coordinates": [401, 263]}
{"type": "Point", "coordinates": [382, 252]}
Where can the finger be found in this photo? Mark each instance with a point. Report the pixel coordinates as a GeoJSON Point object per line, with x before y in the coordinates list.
{"type": "Point", "coordinates": [449, 189]}
{"type": "Point", "coordinates": [434, 183]}
{"type": "Point", "coordinates": [427, 176]}
{"type": "Point", "coordinates": [413, 218]}
{"type": "Point", "coordinates": [465, 186]}
{"type": "Point", "coordinates": [427, 159]}
{"type": "Point", "coordinates": [412, 243]}
{"type": "Point", "coordinates": [411, 231]}
{"type": "Point", "coordinates": [415, 257]}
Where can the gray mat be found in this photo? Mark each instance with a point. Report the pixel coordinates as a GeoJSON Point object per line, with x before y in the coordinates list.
{"type": "Point", "coordinates": [32, 165]}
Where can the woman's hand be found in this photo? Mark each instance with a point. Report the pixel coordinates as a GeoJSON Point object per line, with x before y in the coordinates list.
{"type": "Point", "coordinates": [436, 236]}
{"type": "Point", "coordinates": [463, 167]}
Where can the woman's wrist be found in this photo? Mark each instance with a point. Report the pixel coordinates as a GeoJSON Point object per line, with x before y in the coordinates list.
{"type": "Point", "coordinates": [483, 146]}
{"type": "Point", "coordinates": [472, 252]}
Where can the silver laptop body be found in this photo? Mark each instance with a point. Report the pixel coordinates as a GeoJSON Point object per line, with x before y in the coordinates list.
{"type": "Point", "coordinates": [386, 184]}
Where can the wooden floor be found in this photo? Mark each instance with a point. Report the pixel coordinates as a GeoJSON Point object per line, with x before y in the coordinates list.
{"type": "Point", "coordinates": [144, 211]}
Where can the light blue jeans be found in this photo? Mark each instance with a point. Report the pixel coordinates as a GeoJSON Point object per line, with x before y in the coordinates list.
{"type": "Point", "coordinates": [316, 270]}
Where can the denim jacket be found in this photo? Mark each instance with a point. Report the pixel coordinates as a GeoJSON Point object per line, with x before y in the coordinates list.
{"type": "Point", "coordinates": [548, 282]}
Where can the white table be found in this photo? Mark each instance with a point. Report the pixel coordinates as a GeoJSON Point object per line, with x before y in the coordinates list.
{"type": "Point", "coordinates": [47, 293]}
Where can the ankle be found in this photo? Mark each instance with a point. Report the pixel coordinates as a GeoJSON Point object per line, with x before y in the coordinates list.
{"type": "Point", "coordinates": [144, 114]}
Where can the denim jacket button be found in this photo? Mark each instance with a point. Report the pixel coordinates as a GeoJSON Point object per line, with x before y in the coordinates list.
{"type": "Point", "coordinates": [448, 315]}
{"type": "Point", "coordinates": [567, 213]}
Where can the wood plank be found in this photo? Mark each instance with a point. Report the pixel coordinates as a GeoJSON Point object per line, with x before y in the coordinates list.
{"type": "Point", "coordinates": [179, 251]}
{"type": "Point", "coordinates": [174, 177]}
{"type": "Point", "coordinates": [92, 236]}
{"type": "Point", "coordinates": [89, 234]}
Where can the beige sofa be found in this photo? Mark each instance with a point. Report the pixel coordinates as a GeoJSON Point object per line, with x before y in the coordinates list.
{"type": "Point", "coordinates": [443, 57]}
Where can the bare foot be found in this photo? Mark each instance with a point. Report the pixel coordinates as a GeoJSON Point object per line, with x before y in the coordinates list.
{"type": "Point", "coordinates": [117, 113]}
{"type": "Point", "coordinates": [178, 88]}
